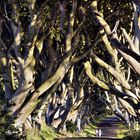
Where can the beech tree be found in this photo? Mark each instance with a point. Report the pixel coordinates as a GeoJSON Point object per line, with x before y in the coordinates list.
{"type": "Point", "coordinates": [56, 56]}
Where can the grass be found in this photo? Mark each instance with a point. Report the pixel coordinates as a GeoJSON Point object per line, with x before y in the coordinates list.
{"type": "Point", "coordinates": [126, 134]}
{"type": "Point", "coordinates": [89, 130]}
{"type": "Point", "coordinates": [133, 135]}
{"type": "Point", "coordinates": [122, 132]}
{"type": "Point", "coordinates": [46, 133]}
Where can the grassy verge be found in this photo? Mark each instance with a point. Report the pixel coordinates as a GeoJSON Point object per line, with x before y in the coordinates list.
{"type": "Point", "coordinates": [132, 135]}
{"type": "Point", "coordinates": [89, 130]}
{"type": "Point", "coordinates": [126, 134]}
{"type": "Point", "coordinates": [122, 131]}
{"type": "Point", "coordinates": [46, 133]}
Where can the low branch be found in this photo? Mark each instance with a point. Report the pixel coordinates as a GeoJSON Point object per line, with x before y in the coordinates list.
{"type": "Point", "coordinates": [112, 71]}
{"type": "Point", "coordinates": [129, 40]}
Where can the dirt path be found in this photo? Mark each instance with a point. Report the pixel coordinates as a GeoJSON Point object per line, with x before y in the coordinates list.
{"type": "Point", "coordinates": [109, 127]}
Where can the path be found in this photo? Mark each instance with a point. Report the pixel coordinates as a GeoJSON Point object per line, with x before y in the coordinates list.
{"type": "Point", "coordinates": [109, 128]}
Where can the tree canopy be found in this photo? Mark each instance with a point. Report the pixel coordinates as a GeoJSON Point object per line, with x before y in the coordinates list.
{"type": "Point", "coordinates": [62, 60]}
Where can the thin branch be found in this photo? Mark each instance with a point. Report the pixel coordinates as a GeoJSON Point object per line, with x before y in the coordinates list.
{"type": "Point", "coordinates": [83, 55]}
{"type": "Point", "coordinates": [130, 41]}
